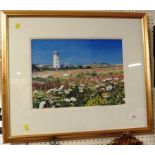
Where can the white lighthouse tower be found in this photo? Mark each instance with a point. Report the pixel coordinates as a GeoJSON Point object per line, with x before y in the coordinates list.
{"type": "Point", "coordinates": [56, 63]}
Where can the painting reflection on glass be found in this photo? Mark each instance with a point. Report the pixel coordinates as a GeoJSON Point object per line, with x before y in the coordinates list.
{"type": "Point", "coordinates": [77, 72]}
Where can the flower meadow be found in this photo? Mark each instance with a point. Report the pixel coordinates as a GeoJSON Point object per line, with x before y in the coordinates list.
{"type": "Point", "coordinates": [78, 88]}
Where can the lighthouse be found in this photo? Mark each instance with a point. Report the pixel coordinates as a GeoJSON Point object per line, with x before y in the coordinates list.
{"type": "Point", "coordinates": [56, 63]}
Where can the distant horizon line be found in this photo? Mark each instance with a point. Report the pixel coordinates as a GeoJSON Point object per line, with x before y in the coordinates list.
{"type": "Point", "coordinates": [84, 64]}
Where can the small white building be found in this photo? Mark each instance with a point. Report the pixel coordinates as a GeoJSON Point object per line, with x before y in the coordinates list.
{"type": "Point", "coordinates": [56, 62]}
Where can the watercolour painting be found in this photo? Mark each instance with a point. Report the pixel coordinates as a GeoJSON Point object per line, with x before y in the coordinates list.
{"type": "Point", "coordinates": [77, 72]}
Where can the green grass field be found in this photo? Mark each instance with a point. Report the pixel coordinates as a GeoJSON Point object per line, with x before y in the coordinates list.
{"type": "Point", "coordinates": [78, 87]}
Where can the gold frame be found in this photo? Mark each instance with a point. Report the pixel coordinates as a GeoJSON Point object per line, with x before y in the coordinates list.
{"type": "Point", "coordinates": [76, 135]}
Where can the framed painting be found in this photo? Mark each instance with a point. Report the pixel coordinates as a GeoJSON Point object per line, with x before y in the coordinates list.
{"type": "Point", "coordinates": [73, 75]}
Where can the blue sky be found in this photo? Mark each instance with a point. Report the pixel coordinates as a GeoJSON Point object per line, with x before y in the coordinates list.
{"type": "Point", "coordinates": [77, 51]}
